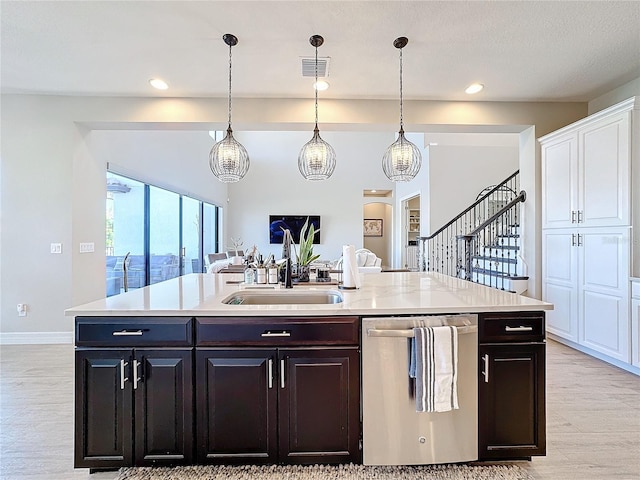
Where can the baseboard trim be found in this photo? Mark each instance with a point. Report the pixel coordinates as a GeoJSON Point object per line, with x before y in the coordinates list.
{"type": "Point", "coordinates": [35, 338]}
{"type": "Point", "coordinates": [592, 353]}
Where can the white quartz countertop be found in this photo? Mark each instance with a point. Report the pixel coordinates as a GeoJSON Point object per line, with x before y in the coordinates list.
{"type": "Point", "coordinates": [390, 293]}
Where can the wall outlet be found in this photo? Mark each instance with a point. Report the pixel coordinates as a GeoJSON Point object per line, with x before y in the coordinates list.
{"type": "Point", "coordinates": [22, 309]}
{"type": "Point", "coordinates": [56, 248]}
{"type": "Point", "coordinates": [88, 247]}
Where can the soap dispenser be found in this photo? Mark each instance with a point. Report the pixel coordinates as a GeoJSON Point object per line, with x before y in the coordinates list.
{"type": "Point", "coordinates": [261, 272]}
{"type": "Point", "coordinates": [272, 272]}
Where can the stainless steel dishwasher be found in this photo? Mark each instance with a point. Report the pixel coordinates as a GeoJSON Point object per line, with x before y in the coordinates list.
{"type": "Point", "coordinates": [393, 432]}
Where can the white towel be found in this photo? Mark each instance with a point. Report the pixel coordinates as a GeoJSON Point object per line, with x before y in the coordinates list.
{"type": "Point", "coordinates": [436, 372]}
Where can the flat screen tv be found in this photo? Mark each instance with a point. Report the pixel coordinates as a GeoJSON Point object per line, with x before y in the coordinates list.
{"type": "Point", "coordinates": [294, 223]}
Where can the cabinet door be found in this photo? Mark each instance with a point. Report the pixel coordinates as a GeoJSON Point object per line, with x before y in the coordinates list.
{"type": "Point", "coordinates": [635, 332]}
{"type": "Point", "coordinates": [604, 172]}
{"type": "Point", "coordinates": [511, 401]}
{"type": "Point", "coordinates": [236, 405]}
{"type": "Point", "coordinates": [559, 178]}
{"type": "Point", "coordinates": [603, 306]}
{"type": "Point", "coordinates": [162, 382]}
{"type": "Point", "coordinates": [103, 409]}
{"type": "Point", "coordinates": [319, 406]}
{"type": "Point", "coordinates": [560, 281]}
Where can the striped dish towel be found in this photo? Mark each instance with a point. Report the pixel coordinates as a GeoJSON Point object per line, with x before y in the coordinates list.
{"type": "Point", "coordinates": [436, 368]}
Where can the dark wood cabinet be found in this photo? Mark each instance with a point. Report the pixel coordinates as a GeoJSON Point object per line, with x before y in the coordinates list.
{"type": "Point", "coordinates": [133, 407]}
{"type": "Point", "coordinates": [511, 386]}
{"type": "Point", "coordinates": [236, 406]}
{"type": "Point", "coordinates": [319, 406]}
{"type": "Point", "coordinates": [266, 401]}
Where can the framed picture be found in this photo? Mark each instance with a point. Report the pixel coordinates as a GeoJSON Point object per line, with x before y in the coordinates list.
{"type": "Point", "coordinates": [372, 227]}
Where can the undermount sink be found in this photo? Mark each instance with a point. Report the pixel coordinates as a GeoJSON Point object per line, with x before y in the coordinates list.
{"type": "Point", "coordinates": [284, 298]}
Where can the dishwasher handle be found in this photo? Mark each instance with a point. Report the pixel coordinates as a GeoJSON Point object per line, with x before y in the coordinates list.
{"type": "Point", "coordinates": [408, 333]}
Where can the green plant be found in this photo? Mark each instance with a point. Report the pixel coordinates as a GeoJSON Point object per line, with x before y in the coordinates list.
{"type": "Point", "coordinates": [305, 256]}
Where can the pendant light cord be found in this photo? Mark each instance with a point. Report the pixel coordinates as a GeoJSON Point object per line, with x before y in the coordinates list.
{"type": "Point", "coordinates": [315, 87]}
{"type": "Point", "coordinates": [229, 87]}
{"type": "Point", "coordinates": [401, 119]}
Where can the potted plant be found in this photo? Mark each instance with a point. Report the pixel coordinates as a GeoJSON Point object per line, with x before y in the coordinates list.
{"type": "Point", "coordinates": [305, 255]}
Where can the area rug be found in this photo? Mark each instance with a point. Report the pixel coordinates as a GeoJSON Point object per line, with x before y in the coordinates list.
{"type": "Point", "coordinates": [328, 472]}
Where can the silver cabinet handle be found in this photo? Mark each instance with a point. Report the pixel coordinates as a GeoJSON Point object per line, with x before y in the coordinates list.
{"type": "Point", "coordinates": [136, 377]}
{"type": "Point", "coordinates": [580, 216]}
{"type": "Point", "coordinates": [580, 239]}
{"type": "Point", "coordinates": [123, 379]}
{"type": "Point", "coordinates": [485, 372]}
{"type": "Point", "coordinates": [127, 333]}
{"type": "Point", "coordinates": [270, 373]}
{"type": "Point", "coordinates": [521, 328]}
{"type": "Point", "coordinates": [573, 216]}
{"type": "Point", "coordinates": [282, 373]}
{"type": "Point", "coordinates": [282, 333]}
{"type": "Point", "coordinates": [573, 240]}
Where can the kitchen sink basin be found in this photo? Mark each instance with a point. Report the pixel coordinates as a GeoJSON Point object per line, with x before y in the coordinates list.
{"type": "Point", "coordinates": [284, 298]}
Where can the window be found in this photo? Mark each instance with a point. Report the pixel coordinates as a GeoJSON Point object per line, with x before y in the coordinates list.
{"type": "Point", "coordinates": [160, 233]}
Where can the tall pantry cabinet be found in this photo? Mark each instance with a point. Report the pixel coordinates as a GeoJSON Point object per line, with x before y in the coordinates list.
{"type": "Point", "coordinates": [590, 171]}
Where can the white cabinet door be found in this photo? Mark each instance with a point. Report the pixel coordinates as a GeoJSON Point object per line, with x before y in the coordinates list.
{"type": "Point", "coordinates": [603, 291]}
{"type": "Point", "coordinates": [635, 324]}
{"type": "Point", "coordinates": [560, 281]}
{"type": "Point", "coordinates": [559, 181]}
{"type": "Point", "coordinates": [635, 332]}
{"type": "Point", "coordinates": [604, 172]}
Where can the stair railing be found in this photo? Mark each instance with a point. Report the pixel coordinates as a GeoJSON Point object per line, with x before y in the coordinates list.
{"type": "Point", "coordinates": [495, 242]}
{"type": "Point", "coordinates": [439, 252]}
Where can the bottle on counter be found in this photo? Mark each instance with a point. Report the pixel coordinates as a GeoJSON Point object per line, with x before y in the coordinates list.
{"type": "Point", "coordinates": [272, 272]}
{"type": "Point", "coordinates": [261, 272]}
{"type": "Point", "coordinates": [249, 275]}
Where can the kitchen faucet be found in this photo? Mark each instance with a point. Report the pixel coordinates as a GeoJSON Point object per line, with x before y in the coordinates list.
{"type": "Point", "coordinates": [286, 254]}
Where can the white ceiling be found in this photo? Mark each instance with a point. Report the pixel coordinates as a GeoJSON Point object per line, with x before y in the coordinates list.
{"type": "Point", "coordinates": [521, 50]}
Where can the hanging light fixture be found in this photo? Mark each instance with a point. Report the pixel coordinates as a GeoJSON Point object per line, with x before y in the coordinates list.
{"type": "Point", "coordinates": [228, 159]}
{"type": "Point", "coordinates": [402, 160]}
{"type": "Point", "coordinates": [317, 159]}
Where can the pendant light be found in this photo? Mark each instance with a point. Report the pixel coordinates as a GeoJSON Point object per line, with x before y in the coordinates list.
{"type": "Point", "coordinates": [402, 160]}
{"type": "Point", "coordinates": [317, 159]}
{"type": "Point", "coordinates": [228, 159]}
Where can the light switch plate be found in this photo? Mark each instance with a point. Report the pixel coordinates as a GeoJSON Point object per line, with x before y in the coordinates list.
{"type": "Point", "coordinates": [87, 247]}
{"type": "Point", "coordinates": [56, 248]}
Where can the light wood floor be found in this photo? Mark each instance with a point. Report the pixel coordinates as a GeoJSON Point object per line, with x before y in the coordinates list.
{"type": "Point", "coordinates": [593, 417]}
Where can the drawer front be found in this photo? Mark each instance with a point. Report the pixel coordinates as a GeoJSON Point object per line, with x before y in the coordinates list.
{"type": "Point", "coordinates": [270, 331]}
{"type": "Point", "coordinates": [134, 331]}
{"type": "Point", "coordinates": [511, 327]}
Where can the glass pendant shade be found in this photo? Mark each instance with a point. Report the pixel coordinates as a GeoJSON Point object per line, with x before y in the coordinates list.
{"type": "Point", "coordinates": [317, 159]}
{"type": "Point", "coordinates": [228, 159]}
{"type": "Point", "coordinates": [402, 160]}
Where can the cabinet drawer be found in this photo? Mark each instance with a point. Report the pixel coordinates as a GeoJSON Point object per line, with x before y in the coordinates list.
{"type": "Point", "coordinates": [511, 327]}
{"type": "Point", "coordinates": [134, 331]}
{"type": "Point", "coordinates": [271, 331]}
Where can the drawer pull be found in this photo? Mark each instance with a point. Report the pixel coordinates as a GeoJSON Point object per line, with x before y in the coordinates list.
{"type": "Point", "coordinates": [518, 329]}
{"type": "Point", "coordinates": [282, 333]}
{"type": "Point", "coordinates": [270, 373]}
{"type": "Point", "coordinates": [136, 377]}
{"type": "Point", "coordinates": [282, 373]}
{"type": "Point", "coordinates": [485, 372]}
{"type": "Point", "coordinates": [127, 333]}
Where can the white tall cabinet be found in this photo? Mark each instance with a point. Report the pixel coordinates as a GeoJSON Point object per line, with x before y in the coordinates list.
{"type": "Point", "coordinates": [588, 181]}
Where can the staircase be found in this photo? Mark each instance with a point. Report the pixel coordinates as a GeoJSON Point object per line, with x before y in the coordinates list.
{"type": "Point", "coordinates": [482, 244]}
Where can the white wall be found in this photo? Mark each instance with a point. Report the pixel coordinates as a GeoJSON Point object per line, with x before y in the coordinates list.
{"type": "Point", "coordinates": [52, 185]}
{"type": "Point", "coordinates": [274, 186]}
{"type": "Point", "coordinates": [628, 90]}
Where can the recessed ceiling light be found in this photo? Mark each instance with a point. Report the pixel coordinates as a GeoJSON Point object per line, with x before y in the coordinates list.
{"type": "Point", "coordinates": [321, 85]}
{"type": "Point", "coordinates": [474, 88]}
{"type": "Point", "coordinates": [158, 83]}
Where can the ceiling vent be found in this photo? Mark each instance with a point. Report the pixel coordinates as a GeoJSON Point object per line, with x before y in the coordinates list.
{"type": "Point", "coordinates": [309, 67]}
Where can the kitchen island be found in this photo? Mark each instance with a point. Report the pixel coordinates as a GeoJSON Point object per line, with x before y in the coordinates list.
{"type": "Point", "coordinates": [171, 374]}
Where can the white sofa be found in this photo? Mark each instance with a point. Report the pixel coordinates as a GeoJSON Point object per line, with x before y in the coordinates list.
{"type": "Point", "coordinates": [367, 261]}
